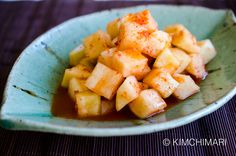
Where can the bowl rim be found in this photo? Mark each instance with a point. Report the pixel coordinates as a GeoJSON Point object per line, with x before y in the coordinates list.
{"type": "Point", "coordinates": [26, 124]}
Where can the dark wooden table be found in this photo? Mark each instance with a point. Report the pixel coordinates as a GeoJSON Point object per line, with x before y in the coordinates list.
{"type": "Point", "coordinates": [21, 22]}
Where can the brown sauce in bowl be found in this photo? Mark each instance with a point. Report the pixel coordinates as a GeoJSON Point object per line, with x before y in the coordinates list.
{"type": "Point", "coordinates": [64, 107]}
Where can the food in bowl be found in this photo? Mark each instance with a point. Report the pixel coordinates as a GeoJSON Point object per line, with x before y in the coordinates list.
{"type": "Point", "coordinates": [135, 66]}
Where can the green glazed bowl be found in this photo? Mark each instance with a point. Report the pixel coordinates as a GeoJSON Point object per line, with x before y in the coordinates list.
{"type": "Point", "coordinates": [38, 71]}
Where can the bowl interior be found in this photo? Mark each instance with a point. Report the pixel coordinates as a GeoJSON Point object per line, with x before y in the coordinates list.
{"type": "Point", "coordinates": [39, 70]}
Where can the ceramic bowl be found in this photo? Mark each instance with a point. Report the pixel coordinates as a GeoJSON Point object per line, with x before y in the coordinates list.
{"type": "Point", "coordinates": [38, 72]}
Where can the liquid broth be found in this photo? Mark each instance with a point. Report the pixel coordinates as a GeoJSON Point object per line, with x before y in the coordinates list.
{"type": "Point", "coordinates": [63, 106]}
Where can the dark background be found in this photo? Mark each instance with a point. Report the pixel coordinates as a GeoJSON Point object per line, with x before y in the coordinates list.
{"type": "Point", "coordinates": [22, 22]}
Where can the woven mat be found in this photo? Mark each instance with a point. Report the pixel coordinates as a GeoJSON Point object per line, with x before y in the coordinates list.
{"type": "Point", "coordinates": [21, 22]}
